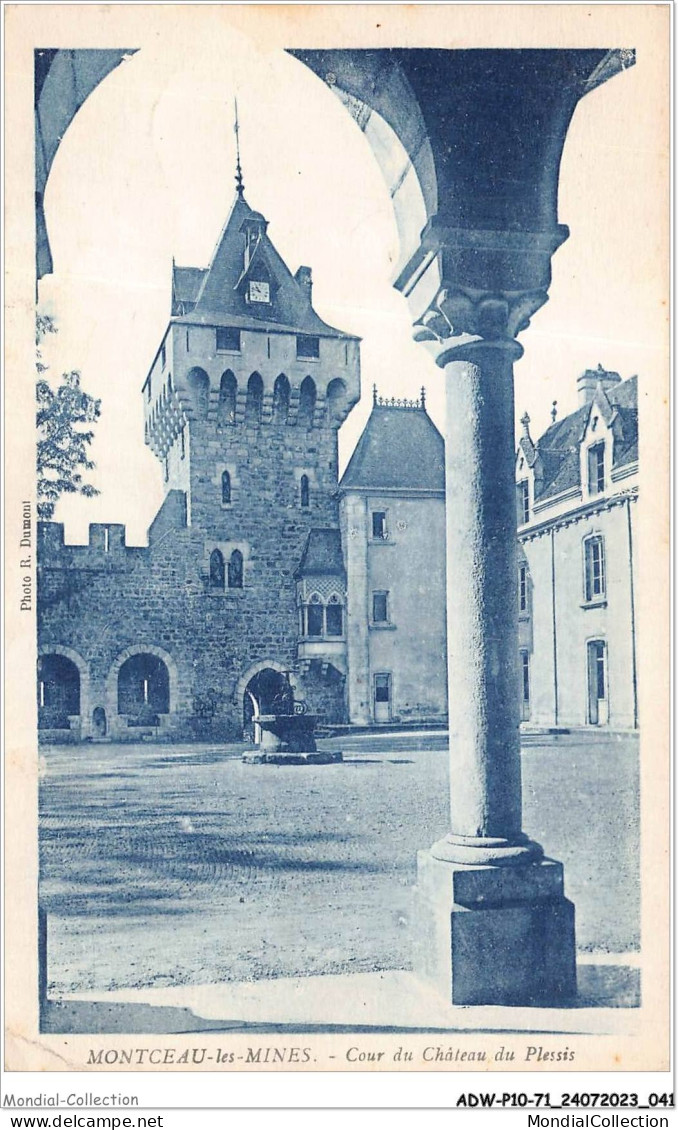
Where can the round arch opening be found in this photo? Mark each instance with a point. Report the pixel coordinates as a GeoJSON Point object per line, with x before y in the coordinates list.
{"type": "Point", "coordinates": [58, 691]}
{"type": "Point", "coordinates": [143, 689]}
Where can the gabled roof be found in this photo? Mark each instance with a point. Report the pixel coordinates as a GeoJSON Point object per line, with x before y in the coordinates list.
{"type": "Point", "coordinates": [322, 555]}
{"type": "Point", "coordinates": [558, 448]}
{"type": "Point", "coordinates": [400, 449]}
{"type": "Point", "coordinates": [211, 296]}
{"type": "Point", "coordinates": [186, 284]}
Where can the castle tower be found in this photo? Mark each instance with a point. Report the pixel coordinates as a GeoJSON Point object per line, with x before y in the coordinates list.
{"type": "Point", "coordinates": [243, 403]}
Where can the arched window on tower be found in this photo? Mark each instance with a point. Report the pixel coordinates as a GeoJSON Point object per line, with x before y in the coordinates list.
{"type": "Point", "coordinates": [307, 399]}
{"type": "Point", "coordinates": [217, 570]}
{"type": "Point", "coordinates": [281, 399]}
{"type": "Point", "coordinates": [225, 488]}
{"type": "Point", "coordinates": [235, 570]}
{"type": "Point", "coordinates": [336, 399]}
{"type": "Point", "coordinates": [255, 397]}
{"type": "Point", "coordinates": [199, 385]}
{"type": "Point", "coordinates": [304, 492]}
{"type": "Point", "coordinates": [228, 390]}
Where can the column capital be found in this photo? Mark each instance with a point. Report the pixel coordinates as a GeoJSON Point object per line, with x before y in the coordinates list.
{"type": "Point", "coordinates": [477, 284]}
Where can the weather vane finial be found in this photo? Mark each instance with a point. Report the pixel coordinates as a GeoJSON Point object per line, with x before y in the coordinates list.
{"type": "Point", "coordinates": [239, 186]}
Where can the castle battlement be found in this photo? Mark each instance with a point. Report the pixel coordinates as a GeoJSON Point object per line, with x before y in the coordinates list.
{"type": "Point", "coordinates": [106, 540]}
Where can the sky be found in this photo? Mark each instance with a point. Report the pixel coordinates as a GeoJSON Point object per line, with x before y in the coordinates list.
{"type": "Point", "coordinates": [145, 173]}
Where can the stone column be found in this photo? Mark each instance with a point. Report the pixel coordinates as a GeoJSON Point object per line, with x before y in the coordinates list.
{"type": "Point", "coordinates": [484, 132]}
{"type": "Point", "coordinates": [485, 788]}
{"type": "Point", "coordinates": [492, 925]}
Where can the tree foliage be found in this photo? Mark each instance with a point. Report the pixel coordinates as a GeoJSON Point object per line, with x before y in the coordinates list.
{"type": "Point", "coordinates": [63, 413]}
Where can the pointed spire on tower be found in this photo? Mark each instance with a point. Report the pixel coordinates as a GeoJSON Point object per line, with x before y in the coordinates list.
{"type": "Point", "coordinates": [239, 186]}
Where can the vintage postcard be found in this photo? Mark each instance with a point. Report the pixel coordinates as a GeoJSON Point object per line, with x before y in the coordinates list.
{"type": "Point", "coordinates": [337, 557]}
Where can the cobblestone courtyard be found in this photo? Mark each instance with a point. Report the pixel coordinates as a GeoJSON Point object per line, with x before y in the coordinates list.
{"type": "Point", "coordinates": [179, 864]}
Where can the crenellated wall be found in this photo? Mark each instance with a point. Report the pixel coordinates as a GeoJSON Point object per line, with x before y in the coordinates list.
{"type": "Point", "coordinates": [107, 602]}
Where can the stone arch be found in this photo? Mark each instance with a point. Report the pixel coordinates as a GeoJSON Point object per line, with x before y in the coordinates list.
{"type": "Point", "coordinates": [308, 394]}
{"type": "Point", "coordinates": [84, 678]}
{"type": "Point", "coordinates": [255, 400]}
{"type": "Point", "coordinates": [129, 653]}
{"type": "Point", "coordinates": [228, 396]}
{"type": "Point", "coordinates": [336, 399]}
{"type": "Point", "coordinates": [281, 399]}
{"type": "Point", "coordinates": [304, 492]}
{"type": "Point", "coordinates": [217, 569]}
{"type": "Point", "coordinates": [236, 569]}
{"type": "Point", "coordinates": [199, 386]}
{"type": "Point", "coordinates": [255, 669]}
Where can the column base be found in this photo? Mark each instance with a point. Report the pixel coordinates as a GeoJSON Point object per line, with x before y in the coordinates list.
{"type": "Point", "coordinates": [495, 935]}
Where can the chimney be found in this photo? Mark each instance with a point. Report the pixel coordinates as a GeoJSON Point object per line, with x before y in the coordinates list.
{"type": "Point", "coordinates": [305, 278]}
{"type": "Point", "coordinates": [589, 381]}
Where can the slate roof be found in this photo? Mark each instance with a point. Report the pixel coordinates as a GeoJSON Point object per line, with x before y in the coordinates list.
{"type": "Point", "coordinates": [400, 448]}
{"type": "Point", "coordinates": [322, 555]}
{"type": "Point", "coordinates": [559, 445]}
{"type": "Point", "coordinates": [212, 296]}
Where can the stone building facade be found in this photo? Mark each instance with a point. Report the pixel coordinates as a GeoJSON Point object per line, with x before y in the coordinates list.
{"type": "Point", "coordinates": [577, 492]}
{"type": "Point", "coordinates": [261, 562]}
{"type": "Point", "coordinates": [190, 635]}
{"type": "Point", "coordinates": [392, 512]}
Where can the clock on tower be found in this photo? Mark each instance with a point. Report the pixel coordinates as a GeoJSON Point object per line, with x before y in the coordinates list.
{"type": "Point", "coordinates": [258, 291]}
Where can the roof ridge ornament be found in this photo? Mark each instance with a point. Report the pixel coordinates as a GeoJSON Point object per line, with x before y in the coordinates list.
{"type": "Point", "coordinates": [398, 402]}
{"type": "Point", "coordinates": [239, 184]}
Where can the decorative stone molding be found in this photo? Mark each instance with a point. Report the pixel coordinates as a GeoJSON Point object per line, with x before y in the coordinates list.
{"type": "Point", "coordinates": [478, 313]}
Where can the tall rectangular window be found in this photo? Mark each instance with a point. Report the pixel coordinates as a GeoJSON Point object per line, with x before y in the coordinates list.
{"type": "Point", "coordinates": [228, 339]}
{"type": "Point", "coordinates": [524, 685]}
{"type": "Point", "coordinates": [314, 617]}
{"type": "Point", "coordinates": [597, 682]}
{"type": "Point", "coordinates": [379, 525]}
{"type": "Point", "coordinates": [594, 569]}
{"type": "Point", "coordinates": [379, 607]}
{"type": "Point", "coordinates": [523, 588]}
{"type": "Point", "coordinates": [382, 688]}
{"type": "Point", "coordinates": [523, 501]}
{"type": "Point", "coordinates": [596, 459]}
{"type": "Point", "coordinates": [163, 355]}
{"type": "Point", "coordinates": [334, 617]}
{"type": "Point", "coordinates": [308, 347]}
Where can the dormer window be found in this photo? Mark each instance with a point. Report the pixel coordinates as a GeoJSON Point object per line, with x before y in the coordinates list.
{"type": "Point", "coordinates": [308, 347]}
{"type": "Point", "coordinates": [596, 468]}
{"type": "Point", "coordinates": [258, 291]}
{"type": "Point", "coordinates": [228, 339]}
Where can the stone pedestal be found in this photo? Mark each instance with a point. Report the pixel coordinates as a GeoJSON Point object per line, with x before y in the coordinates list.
{"type": "Point", "coordinates": [494, 935]}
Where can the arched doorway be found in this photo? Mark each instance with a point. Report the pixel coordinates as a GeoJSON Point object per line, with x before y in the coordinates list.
{"type": "Point", "coordinates": [143, 689]}
{"type": "Point", "coordinates": [58, 691]}
{"type": "Point", "coordinates": [99, 722]}
{"type": "Point", "coordinates": [266, 693]}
